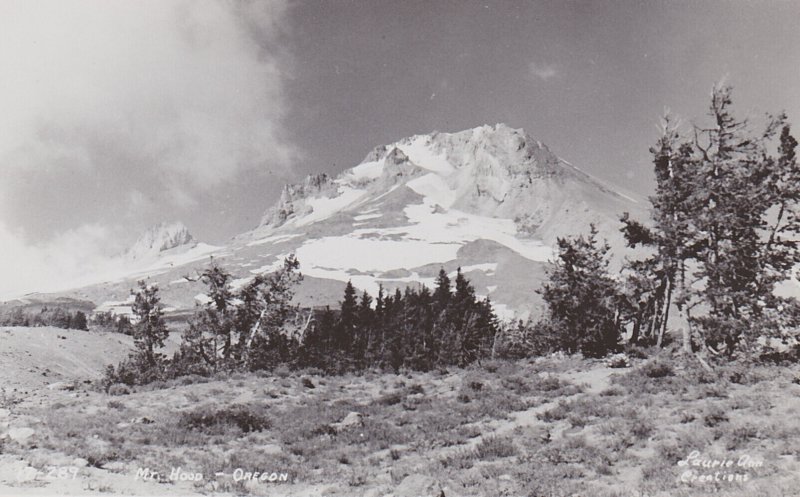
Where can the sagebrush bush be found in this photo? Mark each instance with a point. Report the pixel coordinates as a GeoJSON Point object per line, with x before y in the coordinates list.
{"type": "Point", "coordinates": [495, 447]}
{"type": "Point", "coordinates": [658, 369]}
{"type": "Point", "coordinates": [244, 417]}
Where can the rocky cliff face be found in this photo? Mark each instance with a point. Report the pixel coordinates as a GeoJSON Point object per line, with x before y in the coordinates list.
{"type": "Point", "coordinates": [161, 238]}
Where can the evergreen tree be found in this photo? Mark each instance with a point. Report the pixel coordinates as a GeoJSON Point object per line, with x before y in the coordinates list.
{"type": "Point", "coordinates": [348, 318]}
{"type": "Point", "coordinates": [150, 330]}
{"type": "Point", "coordinates": [725, 225]}
{"type": "Point", "coordinates": [581, 297]}
{"type": "Point", "coordinates": [79, 322]}
{"type": "Point", "coordinates": [364, 330]}
{"type": "Point", "coordinates": [442, 292]}
{"type": "Point", "coordinates": [210, 331]}
{"type": "Point", "coordinates": [274, 326]}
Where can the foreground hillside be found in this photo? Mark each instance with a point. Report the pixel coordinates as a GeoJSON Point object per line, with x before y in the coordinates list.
{"type": "Point", "coordinates": [548, 426]}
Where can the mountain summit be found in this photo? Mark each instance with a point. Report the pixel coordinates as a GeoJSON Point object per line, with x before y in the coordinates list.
{"type": "Point", "coordinates": [491, 200]}
{"type": "Point", "coordinates": [160, 238]}
{"type": "Point", "coordinates": [493, 171]}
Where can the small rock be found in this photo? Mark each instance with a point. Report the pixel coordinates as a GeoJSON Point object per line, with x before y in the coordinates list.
{"type": "Point", "coordinates": [19, 435]}
{"type": "Point", "coordinates": [142, 420]}
{"type": "Point", "coordinates": [374, 492]}
{"type": "Point", "coordinates": [62, 385]}
{"type": "Point", "coordinates": [28, 473]}
{"type": "Point", "coordinates": [123, 424]}
{"type": "Point", "coordinates": [419, 486]}
{"type": "Point", "coordinates": [271, 449]}
{"type": "Point", "coordinates": [352, 420]}
{"type": "Point", "coordinates": [80, 462]}
{"type": "Point", "coordinates": [115, 466]}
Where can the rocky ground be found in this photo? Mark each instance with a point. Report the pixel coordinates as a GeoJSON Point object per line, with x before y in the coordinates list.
{"type": "Point", "coordinates": [548, 426]}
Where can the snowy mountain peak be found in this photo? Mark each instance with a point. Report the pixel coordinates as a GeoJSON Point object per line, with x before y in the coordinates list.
{"type": "Point", "coordinates": [479, 170]}
{"type": "Point", "coordinates": [491, 200]}
{"type": "Point", "coordinates": [160, 238]}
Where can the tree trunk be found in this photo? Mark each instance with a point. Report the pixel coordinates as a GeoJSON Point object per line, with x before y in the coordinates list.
{"type": "Point", "coordinates": [687, 331]}
{"type": "Point", "coordinates": [665, 314]}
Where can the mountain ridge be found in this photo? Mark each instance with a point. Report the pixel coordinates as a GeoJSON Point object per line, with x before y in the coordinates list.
{"type": "Point", "coordinates": [491, 200]}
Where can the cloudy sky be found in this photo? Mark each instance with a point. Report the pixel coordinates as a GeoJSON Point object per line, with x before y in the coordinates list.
{"type": "Point", "coordinates": [117, 115]}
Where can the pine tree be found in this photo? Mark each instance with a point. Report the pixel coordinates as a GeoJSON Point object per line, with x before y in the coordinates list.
{"type": "Point", "coordinates": [725, 225]}
{"type": "Point", "coordinates": [274, 326]}
{"type": "Point", "coordinates": [364, 330]}
{"type": "Point", "coordinates": [79, 322]}
{"type": "Point", "coordinates": [582, 298]}
{"type": "Point", "coordinates": [348, 318]}
{"type": "Point", "coordinates": [653, 284]}
{"type": "Point", "coordinates": [150, 330]}
{"type": "Point", "coordinates": [211, 329]}
{"type": "Point", "coordinates": [442, 292]}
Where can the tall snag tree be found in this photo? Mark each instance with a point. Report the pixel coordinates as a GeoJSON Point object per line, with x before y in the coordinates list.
{"type": "Point", "coordinates": [654, 284]}
{"type": "Point", "coordinates": [271, 327]}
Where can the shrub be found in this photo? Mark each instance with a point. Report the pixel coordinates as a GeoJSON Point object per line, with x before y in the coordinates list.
{"type": "Point", "coordinates": [475, 386]}
{"type": "Point", "coordinates": [243, 417]}
{"type": "Point", "coordinates": [390, 399]}
{"type": "Point", "coordinates": [118, 389]}
{"type": "Point", "coordinates": [714, 415]}
{"type": "Point", "coordinates": [618, 361]}
{"type": "Point", "coordinates": [658, 369]}
{"type": "Point", "coordinates": [494, 447]}
{"type": "Point", "coordinates": [416, 388]}
{"type": "Point", "coordinates": [641, 428]}
{"type": "Point", "coordinates": [547, 383]}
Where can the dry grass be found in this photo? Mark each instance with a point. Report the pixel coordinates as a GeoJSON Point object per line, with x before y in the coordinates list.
{"type": "Point", "coordinates": [514, 428]}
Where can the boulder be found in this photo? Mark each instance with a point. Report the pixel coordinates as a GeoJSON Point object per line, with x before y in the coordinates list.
{"type": "Point", "coordinates": [62, 385]}
{"type": "Point", "coordinates": [20, 435]}
{"type": "Point", "coordinates": [419, 486]}
{"type": "Point", "coordinates": [352, 420]}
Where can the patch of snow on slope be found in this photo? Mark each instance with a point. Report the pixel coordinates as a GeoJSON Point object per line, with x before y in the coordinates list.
{"type": "Point", "coordinates": [240, 283]}
{"type": "Point", "coordinates": [455, 226]}
{"type": "Point", "coordinates": [487, 267]}
{"type": "Point", "coordinates": [120, 308]}
{"type": "Point", "coordinates": [505, 313]}
{"type": "Point", "coordinates": [324, 207]}
{"type": "Point", "coordinates": [364, 217]}
{"type": "Point", "coordinates": [274, 266]}
{"type": "Point", "coordinates": [434, 189]}
{"type": "Point", "coordinates": [202, 298]}
{"type": "Point", "coordinates": [200, 251]}
{"type": "Point", "coordinates": [273, 239]}
{"type": "Point", "coordinates": [367, 170]}
{"type": "Point", "coordinates": [420, 154]}
{"type": "Point", "coordinates": [362, 281]}
{"type": "Point", "coordinates": [367, 254]}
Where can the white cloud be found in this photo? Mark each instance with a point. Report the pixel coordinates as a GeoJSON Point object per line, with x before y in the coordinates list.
{"type": "Point", "coordinates": [155, 101]}
{"type": "Point", "coordinates": [542, 71]}
{"type": "Point", "coordinates": [71, 258]}
{"type": "Point", "coordinates": [184, 85]}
